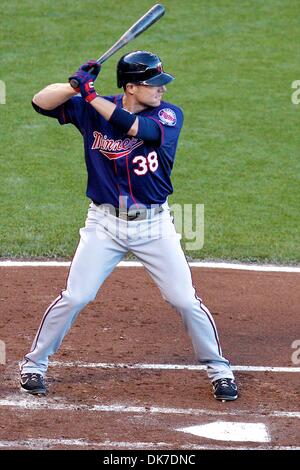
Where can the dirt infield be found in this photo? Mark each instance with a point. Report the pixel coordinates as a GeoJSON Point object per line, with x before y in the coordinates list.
{"type": "Point", "coordinates": [257, 315]}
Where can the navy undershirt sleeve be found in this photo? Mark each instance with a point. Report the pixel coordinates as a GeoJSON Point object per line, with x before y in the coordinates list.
{"type": "Point", "coordinates": [46, 112]}
{"type": "Point", "coordinates": [122, 119]}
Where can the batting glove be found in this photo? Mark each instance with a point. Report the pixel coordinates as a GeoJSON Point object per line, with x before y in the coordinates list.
{"type": "Point", "coordinates": [87, 73]}
{"type": "Point", "coordinates": [92, 67]}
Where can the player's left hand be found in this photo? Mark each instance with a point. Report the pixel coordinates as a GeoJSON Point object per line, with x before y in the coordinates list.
{"type": "Point", "coordinates": [92, 67]}
{"type": "Point", "coordinates": [88, 71]}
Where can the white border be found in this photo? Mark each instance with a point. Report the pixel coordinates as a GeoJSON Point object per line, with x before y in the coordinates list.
{"type": "Point", "coordinates": [193, 264]}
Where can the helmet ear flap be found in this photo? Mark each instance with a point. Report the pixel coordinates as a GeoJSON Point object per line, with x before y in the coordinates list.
{"type": "Point", "coordinates": [119, 80]}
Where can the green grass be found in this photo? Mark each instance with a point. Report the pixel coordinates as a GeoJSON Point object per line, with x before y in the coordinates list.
{"type": "Point", "coordinates": [238, 155]}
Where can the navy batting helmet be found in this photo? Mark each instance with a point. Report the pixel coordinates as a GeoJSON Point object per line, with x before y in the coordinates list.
{"type": "Point", "coordinates": [143, 68]}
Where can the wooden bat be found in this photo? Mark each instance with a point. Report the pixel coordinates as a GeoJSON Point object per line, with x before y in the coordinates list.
{"type": "Point", "coordinates": [147, 20]}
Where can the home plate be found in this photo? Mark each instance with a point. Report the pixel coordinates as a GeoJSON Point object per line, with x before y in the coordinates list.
{"type": "Point", "coordinates": [230, 431]}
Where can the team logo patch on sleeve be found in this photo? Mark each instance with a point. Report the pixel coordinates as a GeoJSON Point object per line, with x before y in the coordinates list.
{"type": "Point", "coordinates": [167, 116]}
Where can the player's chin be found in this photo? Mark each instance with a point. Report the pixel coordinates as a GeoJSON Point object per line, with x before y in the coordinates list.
{"type": "Point", "coordinates": [156, 102]}
{"type": "Point", "coordinates": [153, 102]}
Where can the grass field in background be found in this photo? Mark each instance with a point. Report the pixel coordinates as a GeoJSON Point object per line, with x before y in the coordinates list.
{"type": "Point", "coordinates": [234, 63]}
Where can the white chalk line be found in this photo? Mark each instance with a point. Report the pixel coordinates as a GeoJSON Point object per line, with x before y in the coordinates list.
{"type": "Point", "coordinates": [193, 264]}
{"type": "Point", "coordinates": [32, 403]}
{"type": "Point", "coordinates": [106, 365]}
{"type": "Point", "coordinates": [40, 444]}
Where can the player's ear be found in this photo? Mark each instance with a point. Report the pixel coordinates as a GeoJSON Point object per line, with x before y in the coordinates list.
{"type": "Point", "coordinates": [130, 88]}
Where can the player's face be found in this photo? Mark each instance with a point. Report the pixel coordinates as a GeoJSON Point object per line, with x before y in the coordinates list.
{"type": "Point", "coordinates": [149, 95]}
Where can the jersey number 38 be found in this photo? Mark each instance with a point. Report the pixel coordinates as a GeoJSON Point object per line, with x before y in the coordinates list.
{"type": "Point", "coordinates": [146, 163]}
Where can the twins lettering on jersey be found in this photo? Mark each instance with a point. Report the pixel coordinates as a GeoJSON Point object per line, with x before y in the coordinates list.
{"type": "Point", "coordinates": [114, 149]}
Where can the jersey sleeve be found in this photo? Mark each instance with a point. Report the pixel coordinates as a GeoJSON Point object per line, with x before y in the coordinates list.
{"type": "Point", "coordinates": [170, 120]}
{"type": "Point", "coordinates": [148, 130]}
{"type": "Point", "coordinates": [70, 112]}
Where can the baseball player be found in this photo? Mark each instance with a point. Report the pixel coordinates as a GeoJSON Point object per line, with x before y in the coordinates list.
{"type": "Point", "coordinates": [130, 143]}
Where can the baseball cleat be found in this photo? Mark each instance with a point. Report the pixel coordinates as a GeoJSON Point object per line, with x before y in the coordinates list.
{"type": "Point", "coordinates": [33, 383]}
{"type": "Point", "coordinates": [225, 389]}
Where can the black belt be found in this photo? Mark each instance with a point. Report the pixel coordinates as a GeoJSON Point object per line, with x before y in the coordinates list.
{"type": "Point", "coordinates": [131, 214]}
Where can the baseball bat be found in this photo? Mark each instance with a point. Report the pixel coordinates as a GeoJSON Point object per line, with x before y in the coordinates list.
{"type": "Point", "coordinates": [147, 20]}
